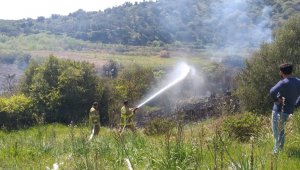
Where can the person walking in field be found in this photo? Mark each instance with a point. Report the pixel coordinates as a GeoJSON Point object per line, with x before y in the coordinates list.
{"type": "Point", "coordinates": [286, 95]}
{"type": "Point", "coordinates": [127, 117]}
{"type": "Point", "coordinates": [94, 119]}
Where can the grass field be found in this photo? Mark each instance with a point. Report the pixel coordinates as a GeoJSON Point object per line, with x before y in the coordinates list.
{"type": "Point", "coordinates": [193, 146]}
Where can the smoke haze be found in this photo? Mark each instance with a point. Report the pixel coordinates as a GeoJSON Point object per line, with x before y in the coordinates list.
{"type": "Point", "coordinates": [236, 27]}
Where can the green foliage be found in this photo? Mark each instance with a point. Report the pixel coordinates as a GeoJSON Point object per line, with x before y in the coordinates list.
{"type": "Point", "coordinates": [147, 23]}
{"type": "Point", "coordinates": [42, 41]}
{"type": "Point", "coordinates": [296, 122]}
{"type": "Point", "coordinates": [133, 82]}
{"type": "Point", "coordinates": [159, 126]}
{"type": "Point", "coordinates": [261, 71]}
{"type": "Point", "coordinates": [16, 111]}
{"type": "Point", "coordinates": [243, 126]}
{"type": "Point", "coordinates": [189, 148]}
{"type": "Point", "coordinates": [62, 89]}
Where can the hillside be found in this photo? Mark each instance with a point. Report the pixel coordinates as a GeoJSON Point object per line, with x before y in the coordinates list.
{"type": "Point", "coordinates": [197, 22]}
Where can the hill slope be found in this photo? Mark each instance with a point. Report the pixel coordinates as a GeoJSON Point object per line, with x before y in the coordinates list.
{"type": "Point", "coordinates": [199, 22]}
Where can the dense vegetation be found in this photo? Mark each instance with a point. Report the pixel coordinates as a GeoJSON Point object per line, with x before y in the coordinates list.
{"type": "Point", "coordinates": [197, 22]}
{"type": "Point", "coordinates": [54, 92]}
{"type": "Point", "coordinates": [197, 146]}
{"type": "Point", "coordinates": [261, 71]}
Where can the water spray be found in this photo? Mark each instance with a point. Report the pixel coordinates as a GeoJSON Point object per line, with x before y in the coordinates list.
{"type": "Point", "coordinates": [184, 72]}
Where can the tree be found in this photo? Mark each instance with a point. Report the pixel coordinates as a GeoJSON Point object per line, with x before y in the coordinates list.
{"type": "Point", "coordinates": [62, 89]}
{"type": "Point", "coordinates": [261, 71]}
{"type": "Point", "coordinates": [133, 82]}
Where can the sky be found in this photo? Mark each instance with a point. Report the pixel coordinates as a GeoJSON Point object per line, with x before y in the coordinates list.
{"type": "Point", "coordinates": [19, 9]}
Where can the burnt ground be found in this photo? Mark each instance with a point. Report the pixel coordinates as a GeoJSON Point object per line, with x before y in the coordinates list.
{"type": "Point", "coordinates": [193, 111]}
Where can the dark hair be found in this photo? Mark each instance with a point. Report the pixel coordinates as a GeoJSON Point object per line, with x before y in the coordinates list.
{"type": "Point", "coordinates": [286, 68]}
{"type": "Point", "coordinates": [95, 104]}
{"type": "Point", "coordinates": [125, 102]}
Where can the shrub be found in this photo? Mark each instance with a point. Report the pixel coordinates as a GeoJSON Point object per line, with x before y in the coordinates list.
{"type": "Point", "coordinates": [242, 126]}
{"type": "Point", "coordinates": [296, 122]}
{"type": "Point", "coordinates": [62, 89]}
{"type": "Point", "coordinates": [133, 82]}
{"type": "Point", "coordinates": [16, 111]}
{"type": "Point", "coordinates": [158, 126]}
{"type": "Point", "coordinates": [261, 70]}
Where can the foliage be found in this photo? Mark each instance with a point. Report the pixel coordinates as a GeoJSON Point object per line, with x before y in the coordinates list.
{"type": "Point", "coordinates": [133, 82]}
{"type": "Point", "coordinates": [149, 23]}
{"type": "Point", "coordinates": [296, 122]}
{"type": "Point", "coordinates": [243, 126]}
{"type": "Point", "coordinates": [192, 147]}
{"type": "Point", "coordinates": [16, 111]}
{"type": "Point", "coordinates": [62, 89]}
{"type": "Point", "coordinates": [22, 59]}
{"type": "Point", "coordinates": [261, 71]}
{"type": "Point", "coordinates": [159, 126]}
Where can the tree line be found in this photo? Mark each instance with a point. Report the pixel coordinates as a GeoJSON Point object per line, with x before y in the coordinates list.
{"type": "Point", "coordinates": [150, 22]}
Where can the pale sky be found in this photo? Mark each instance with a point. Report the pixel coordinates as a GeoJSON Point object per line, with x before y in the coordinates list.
{"type": "Point", "coordinates": [19, 9]}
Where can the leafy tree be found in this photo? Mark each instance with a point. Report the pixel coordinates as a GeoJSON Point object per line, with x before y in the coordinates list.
{"type": "Point", "coordinates": [62, 89]}
{"type": "Point", "coordinates": [261, 71]}
{"type": "Point", "coordinates": [133, 82]}
{"type": "Point", "coordinates": [195, 22]}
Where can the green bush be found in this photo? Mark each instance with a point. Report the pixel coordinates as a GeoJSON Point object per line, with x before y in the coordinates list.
{"type": "Point", "coordinates": [159, 126]}
{"type": "Point", "coordinates": [296, 122]}
{"type": "Point", "coordinates": [242, 126]}
{"type": "Point", "coordinates": [16, 111]}
{"type": "Point", "coordinates": [133, 82]}
{"type": "Point", "coordinates": [62, 89]}
{"type": "Point", "coordinates": [261, 70]}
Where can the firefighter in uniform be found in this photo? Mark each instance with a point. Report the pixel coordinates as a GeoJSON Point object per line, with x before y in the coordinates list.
{"type": "Point", "coordinates": [94, 118]}
{"type": "Point", "coordinates": [126, 117]}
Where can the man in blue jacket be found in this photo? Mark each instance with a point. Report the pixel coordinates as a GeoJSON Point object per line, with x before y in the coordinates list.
{"type": "Point", "coordinates": [286, 95]}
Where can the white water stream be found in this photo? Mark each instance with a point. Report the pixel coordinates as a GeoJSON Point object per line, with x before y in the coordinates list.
{"type": "Point", "coordinates": [185, 69]}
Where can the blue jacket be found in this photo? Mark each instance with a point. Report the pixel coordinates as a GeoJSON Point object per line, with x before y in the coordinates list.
{"type": "Point", "coordinates": [289, 88]}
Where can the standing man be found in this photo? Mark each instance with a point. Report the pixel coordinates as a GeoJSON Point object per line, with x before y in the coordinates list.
{"type": "Point", "coordinates": [126, 117]}
{"type": "Point", "coordinates": [94, 118]}
{"type": "Point", "coordinates": [286, 95]}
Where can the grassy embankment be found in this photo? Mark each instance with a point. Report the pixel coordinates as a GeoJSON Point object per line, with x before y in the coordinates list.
{"type": "Point", "coordinates": [194, 146]}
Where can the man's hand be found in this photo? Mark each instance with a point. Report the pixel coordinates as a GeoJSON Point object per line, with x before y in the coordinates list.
{"type": "Point", "coordinates": [280, 100]}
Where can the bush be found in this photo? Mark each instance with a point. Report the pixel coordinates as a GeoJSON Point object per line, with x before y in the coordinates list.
{"type": "Point", "coordinates": [296, 122]}
{"type": "Point", "coordinates": [242, 126]}
{"type": "Point", "coordinates": [16, 111]}
{"type": "Point", "coordinates": [261, 71]}
{"type": "Point", "coordinates": [62, 89]}
{"type": "Point", "coordinates": [133, 82]}
{"type": "Point", "coordinates": [159, 126]}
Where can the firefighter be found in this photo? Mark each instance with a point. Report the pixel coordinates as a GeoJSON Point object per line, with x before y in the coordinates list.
{"type": "Point", "coordinates": [126, 117]}
{"type": "Point", "coordinates": [94, 118]}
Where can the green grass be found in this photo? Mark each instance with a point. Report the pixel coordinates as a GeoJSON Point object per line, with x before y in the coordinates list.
{"type": "Point", "coordinates": [43, 45]}
{"type": "Point", "coordinates": [194, 146]}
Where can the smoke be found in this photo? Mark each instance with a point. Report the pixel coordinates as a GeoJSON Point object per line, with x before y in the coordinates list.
{"type": "Point", "coordinates": [189, 83]}
{"type": "Point", "coordinates": [223, 23]}
{"type": "Point", "coordinates": [241, 23]}
{"type": "Point", "coordinates": [230, 28]}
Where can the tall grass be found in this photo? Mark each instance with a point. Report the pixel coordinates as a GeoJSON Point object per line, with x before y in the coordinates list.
{"type": "Point", "coordinates": [194, 146]}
